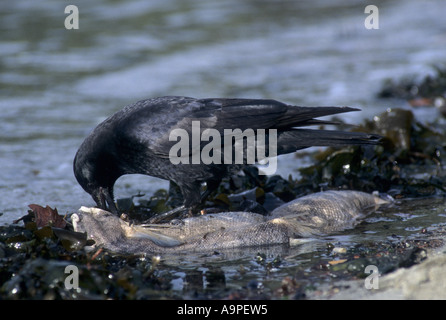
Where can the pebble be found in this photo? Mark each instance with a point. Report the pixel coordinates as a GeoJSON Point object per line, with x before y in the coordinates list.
{"type": "Point", "coordinates": [339, 250]}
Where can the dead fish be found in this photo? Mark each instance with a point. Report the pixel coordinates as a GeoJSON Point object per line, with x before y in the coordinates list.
{"type": "Point", "coordinates": [327, 212]}
{"type": "Point", "coordinates": [103, 227]}
{"type": "Point", "coordinates": [313, 215]}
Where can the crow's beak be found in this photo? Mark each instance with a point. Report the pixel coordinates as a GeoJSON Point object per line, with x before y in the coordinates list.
{"type": "Point", "coordinates": [105, 200]}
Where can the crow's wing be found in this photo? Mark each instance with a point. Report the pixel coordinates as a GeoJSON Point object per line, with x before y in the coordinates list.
{"type": "Point", "coordinates": [150, 122]}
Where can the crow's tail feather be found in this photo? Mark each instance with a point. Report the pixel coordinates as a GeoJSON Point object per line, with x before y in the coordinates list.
{"type": "Point", "coordinates": [295, 139]}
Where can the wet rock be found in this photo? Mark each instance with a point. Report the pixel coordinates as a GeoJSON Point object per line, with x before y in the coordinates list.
{"type": "Point", "coordinates": [252, 206]}
{"type": "Point", "coordinates": [409, 88]}
{"type": "Point", "coordinates": [423, 281]}
{"type": "Point", "coordinates": [395, 125]}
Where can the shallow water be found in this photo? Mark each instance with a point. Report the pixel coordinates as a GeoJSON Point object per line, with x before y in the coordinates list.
{"type": "Point", "coordinates": [56, 85]}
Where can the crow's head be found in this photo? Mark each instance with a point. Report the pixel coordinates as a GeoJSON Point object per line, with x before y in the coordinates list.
{"type": "Point", "coordinates": [96, 172]}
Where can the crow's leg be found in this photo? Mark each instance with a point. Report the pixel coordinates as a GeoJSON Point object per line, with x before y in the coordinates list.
{"type": "Point", "coordinates": [211, 186]}
{"type": "Point", "coordinates": [169, 215]}
{"type": "Point", "coordinates": [191, 195]}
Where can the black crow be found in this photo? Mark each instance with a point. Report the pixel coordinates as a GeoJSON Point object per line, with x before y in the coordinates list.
{"type": "Point", "coordinates": [138, 139]}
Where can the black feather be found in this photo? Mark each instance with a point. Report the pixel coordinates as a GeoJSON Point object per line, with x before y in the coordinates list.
{"type": "Point", "coordinates": [136, 140]}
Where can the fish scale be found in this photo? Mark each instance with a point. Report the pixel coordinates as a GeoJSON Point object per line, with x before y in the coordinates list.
{"type": "Point", "coordinates": [314, 215]}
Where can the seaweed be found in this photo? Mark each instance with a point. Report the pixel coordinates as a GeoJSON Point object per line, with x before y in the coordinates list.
{"type": "Point", "coordinates": [429, 91]}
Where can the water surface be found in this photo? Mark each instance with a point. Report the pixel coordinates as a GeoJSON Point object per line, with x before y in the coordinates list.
{"type": "Point", "coordinates": [56, 84]}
